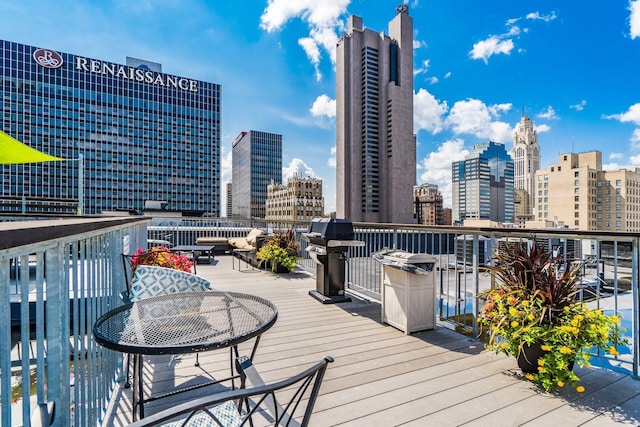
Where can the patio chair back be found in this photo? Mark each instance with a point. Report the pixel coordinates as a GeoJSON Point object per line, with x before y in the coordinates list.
{"type": "Point", "coordinates": [150, 281]}
{"type": "Point", "coordinates": [246, 406]}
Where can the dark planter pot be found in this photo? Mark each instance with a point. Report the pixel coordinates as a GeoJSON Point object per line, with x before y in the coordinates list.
{"type": "Point", "coordinates": [529, 355]}
{"type": "Point", "coordinates": [268, 265]}
{"type": "Point", "coordinates": [280, 269]}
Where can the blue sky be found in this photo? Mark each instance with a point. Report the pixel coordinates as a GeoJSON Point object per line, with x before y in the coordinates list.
{"type": "Point", "coordinates": [573, 66]}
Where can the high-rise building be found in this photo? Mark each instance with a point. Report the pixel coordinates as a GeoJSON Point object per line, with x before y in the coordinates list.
{"type": "Point", "coordinates": [143, 135]}
{"type": "Point", "coordinates": [526, 161]}
{"type": "Point", "coordinates": [621, 201]}
{"type": "Point", "coordinates": [230, 199]}
{"type": "Point", "coordinates": [256, 163]}
{"type": "Point", "coordinates": [375, 144]}
{"type": "Point", "coordinates": [578, 193]}
{"type": "Point", "coordinates": [428, 204]}
{"type": "Point", "coordinates": [483, 185]}
{"type": "Point", "coordinates": [567, 191]}
{"type": "Point", "coordinates": [299, 200]}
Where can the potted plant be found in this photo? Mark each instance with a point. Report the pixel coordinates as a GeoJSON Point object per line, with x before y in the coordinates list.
{"type": "Point", "coordinates": [161, 256]}
{"type": "Point", "coordinates": [280, 251]}
{"type": "Point", "coordinates": [533, 315]}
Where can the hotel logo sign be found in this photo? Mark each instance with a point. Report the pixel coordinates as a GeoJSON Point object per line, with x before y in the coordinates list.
{"type": "Point", "coordinates": [48, 58]}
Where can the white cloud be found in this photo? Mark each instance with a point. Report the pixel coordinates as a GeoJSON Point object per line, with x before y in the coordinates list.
{"type": "Point", "coordinates": [297, 167]}
{"type": "Point", "coordinates": [323, 106]}
{"type": "Point", "coordinates": [226, 164]}
{"type": "Point", "coordinates": [332, 160]}
{"type": "Point", "coordinates": [631, 115]}
{"type": "Point", "coordinates": [417, 44]}
{"type": "Point", "coordinates": [503, 43]}
{"type": "Point", "coordinates": [432, 80]}
{"type": "Point", "coordinates": [616, 156]}
{"type": "Point", "coordinates": [423, 68]}
{"type": "Point", "coordinates": [437, 166]}
{"type": "Point", "coordinates": [446, 76]}
{"type": "Point", "coordinates": [546, 18]}
{"type": "Point", "coordinates": [514, 31]}
{"type": "Point", "coordinates": [579, 106]}
{"type": "Point", "coordinates": [542, 128]}
{"type": "Point", "coordinates": [634, 18]}
{"type": "Point", "coordinates": [549, 114]}
{"type": "Point", "coordinates": [635, 139]}
{"type": "Point", "coordinates": [428, 112]}
{"type": "Point", "coordinates": [494, 45]}
{"type": "Point", "coordinates": [322, 18]}
{"type": "Point", "coordinates": [474, 117]}
{"type": "Point", "coordinates": [310, 47]}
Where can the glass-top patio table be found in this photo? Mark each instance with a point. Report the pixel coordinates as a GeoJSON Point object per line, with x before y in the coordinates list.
{"type": "Point", "coordinates": [182, 323]}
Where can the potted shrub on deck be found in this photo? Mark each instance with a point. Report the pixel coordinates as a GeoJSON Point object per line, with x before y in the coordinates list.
{"type": "Point", "coordinates": [533, 315]}
{"type": "Point", "coordinates": [161, 256]}
{"type": "Point", "coordinates": [280, 252]}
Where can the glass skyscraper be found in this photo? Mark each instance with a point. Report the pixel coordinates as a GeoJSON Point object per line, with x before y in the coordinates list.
{"type": "Point", "coordinates": [256, 163]}
{"type": "Point", "coordinates": [144, 135]}
{"type": "Point", "coordinates": [483, 184]}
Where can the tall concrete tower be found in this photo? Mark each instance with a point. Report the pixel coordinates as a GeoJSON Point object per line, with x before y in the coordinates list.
{"type": "Point", "coordinates": [375, 144]}
{"type": "Point", "coordinates": [526, 159]}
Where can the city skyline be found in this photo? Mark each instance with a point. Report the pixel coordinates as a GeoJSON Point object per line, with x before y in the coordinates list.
{"type": "Point", "coordinates": [476, 70]}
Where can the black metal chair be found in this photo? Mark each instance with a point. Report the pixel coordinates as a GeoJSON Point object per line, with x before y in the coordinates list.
{"type": "Point", "coordinates": [284, 403]}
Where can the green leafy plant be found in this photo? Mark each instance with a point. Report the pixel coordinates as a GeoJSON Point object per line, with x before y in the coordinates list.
{"type": "Point", "coordinates": [281, 249]}
{"type": "Point", "coordinates": [534, 303]}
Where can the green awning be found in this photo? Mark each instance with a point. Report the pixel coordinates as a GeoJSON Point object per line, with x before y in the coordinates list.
{"type": "Point", "coordinates": [14, 152]}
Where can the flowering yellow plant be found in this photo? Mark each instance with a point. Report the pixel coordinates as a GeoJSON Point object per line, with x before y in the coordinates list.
{"type": "Point", "coordinates": [534, 305]}
{"type": "Point", "coordinates": [280, 250]}
{"type": "Point", "coordinates": [515, 323]}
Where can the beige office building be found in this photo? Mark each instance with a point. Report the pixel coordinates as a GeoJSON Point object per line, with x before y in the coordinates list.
{"type": "Point", "coordinates": [567, 191]}
{"type": "Point", "coordinates": [428, 204]}
{"type": "Point", "coordinates": [375, 144]}
{"type": "Point", "coordinates": [299, 200]}
{"type": "Point", "coordinates": [578, 193]}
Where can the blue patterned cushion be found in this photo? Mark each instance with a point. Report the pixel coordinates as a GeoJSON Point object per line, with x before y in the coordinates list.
{"type": "Point", "coordinates": [226, 415]}
{"type": "Point", "coordinates": [150, 281]}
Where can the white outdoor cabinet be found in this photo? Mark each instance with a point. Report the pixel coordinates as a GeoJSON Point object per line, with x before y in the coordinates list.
{"type": "Point", "coordinates": [408, 291]}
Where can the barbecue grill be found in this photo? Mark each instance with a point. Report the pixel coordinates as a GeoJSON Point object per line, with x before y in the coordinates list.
{"type": "Point", "coordinates": [329, 241]}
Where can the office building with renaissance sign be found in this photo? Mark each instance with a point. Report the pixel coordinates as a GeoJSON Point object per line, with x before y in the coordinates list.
{"type": "Point", "coordinates": [141, 134]}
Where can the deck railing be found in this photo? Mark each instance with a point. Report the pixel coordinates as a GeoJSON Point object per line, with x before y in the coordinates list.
{"type": "Point", "coordinates": [56, 278]}
{"type": "Point", "coordinates": [59, 276]}
{"type": "Point", "coordinates": [611, 264]}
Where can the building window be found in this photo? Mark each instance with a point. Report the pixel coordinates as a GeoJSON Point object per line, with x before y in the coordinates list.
{"type": "Point", "coordinates": [618, 182]}
{"type": "Point", "coordinates": [576, 182]}
{"type": "Point", "coordinates": [576, 174]}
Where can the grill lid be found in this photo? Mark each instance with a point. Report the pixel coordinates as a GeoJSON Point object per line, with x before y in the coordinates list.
{"type": "Point", "coordinates": [321, 230]}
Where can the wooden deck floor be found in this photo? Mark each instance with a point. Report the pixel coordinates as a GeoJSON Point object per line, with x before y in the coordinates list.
{"type": "Point", "coordinates": [382, 377]}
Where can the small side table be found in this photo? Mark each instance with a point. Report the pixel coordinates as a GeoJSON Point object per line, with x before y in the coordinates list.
{"type": "Point", "coordinates": [235, 254]}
